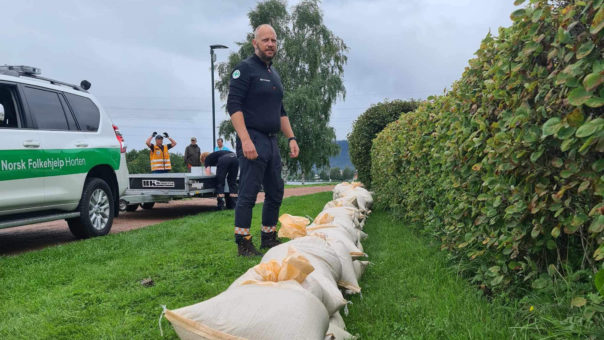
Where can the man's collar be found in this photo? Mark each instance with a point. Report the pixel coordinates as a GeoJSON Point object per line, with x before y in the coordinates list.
{"type": "Point", "coordinates": [257, 58]}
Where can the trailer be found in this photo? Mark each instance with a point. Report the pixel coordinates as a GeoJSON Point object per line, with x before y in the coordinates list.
{"type": "Point", "coordinates": [147, 189]}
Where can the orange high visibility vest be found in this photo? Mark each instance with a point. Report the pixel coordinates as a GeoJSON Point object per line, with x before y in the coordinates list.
{"type": "Point", "coordinates": [160, 158]}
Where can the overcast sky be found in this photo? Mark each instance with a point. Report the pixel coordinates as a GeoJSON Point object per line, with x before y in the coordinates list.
{"type": "Point", "coordinates": [149, 64]}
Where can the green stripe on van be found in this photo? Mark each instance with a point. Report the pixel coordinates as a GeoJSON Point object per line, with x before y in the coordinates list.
{"type": "Point", "coordinates": [22, 164]}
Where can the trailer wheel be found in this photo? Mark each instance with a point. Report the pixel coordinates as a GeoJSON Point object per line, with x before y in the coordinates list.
{"type": "Point", "coordinates": [131, 207]}
{"type": "Point", "coordinates": [148, 205]}
{"type": "Point", "coordinates": [123, 205]}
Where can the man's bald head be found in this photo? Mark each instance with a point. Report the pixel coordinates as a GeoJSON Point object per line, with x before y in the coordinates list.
{"type": "Point", "coordinates": [263, 28]}
{"type": "Point", "coordinates": [265, 42]}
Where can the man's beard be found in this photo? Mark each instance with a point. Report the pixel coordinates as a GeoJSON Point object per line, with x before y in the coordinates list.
{"type": "Point", "coordinates": [265, 57]}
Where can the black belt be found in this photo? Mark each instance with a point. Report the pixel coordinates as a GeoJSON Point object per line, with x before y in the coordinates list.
{"type": "Point", "coordinates": [270, 134]}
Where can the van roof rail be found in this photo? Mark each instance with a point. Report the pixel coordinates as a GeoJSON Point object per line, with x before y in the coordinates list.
{"type": "Point", "coordinates": [34, 72]}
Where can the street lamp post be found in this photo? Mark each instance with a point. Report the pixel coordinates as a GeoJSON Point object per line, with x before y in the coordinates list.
{"type": "Point", "coordinates": [212, 59]}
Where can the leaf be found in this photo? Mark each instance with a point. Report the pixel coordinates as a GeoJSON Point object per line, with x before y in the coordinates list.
{"type": "Point", "coordinates": [575, 118]}
{"type": "Point", "coordinates": [537, 14]}
{"type": "Point", "coordinates": [598, 22]}
{"type": "Point", "coordinates": [578, 220]}
{"type": "Point", "coordinates": [593, 80]}
{"type": "Point", "coordinates": [557, 162]}
{"type": "Point", "coordinates": [565, 132]}
{"type": "Point", "coordinates": [597, 225]}
{"type": "Point", "coordinates": [536, 155]}
{"type": "Point", "coordinates": [565, 146]}
{"type": "Point", "coordinates": [540, 283]}
{"type": "Point", "coordinates": [518, 14]}
{"type": "Point", "coordinates": [555, 232]}
{"type": "Point", "coordinates": [578, 301]}
{"type": "Point", "coordinates": [585, 49]}
{"type": "Point", "coordinates": [584, 186]}
{"type": "Point", "coordinates": [551, 127]}
{"type": "Point", "coordinates": [595, 102]}
{"type": "Point", "coordinates": [598, 165]}
{"type": "Point", "coordinates": [599, 281]}
{"type": "Point", "coordinates": [578, 96]}
{"type": "Point", "coordinates": [589, 128]}
{"type": "Point", "coordinates": [518, 2]}
{"type": "Point", "coordinates": [496, 281]}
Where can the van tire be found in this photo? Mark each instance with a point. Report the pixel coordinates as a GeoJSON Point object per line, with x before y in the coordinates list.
{"type": "Point", "coordinates": [148, 205]}
{"type": "Point", "coordinates": [96, 210]}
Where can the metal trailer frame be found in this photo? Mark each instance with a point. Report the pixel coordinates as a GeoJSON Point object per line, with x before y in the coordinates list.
{"type": "Point", "coordinates": [165, 187]}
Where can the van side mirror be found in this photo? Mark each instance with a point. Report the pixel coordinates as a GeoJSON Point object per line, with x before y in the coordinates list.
{"type": "Point", "coordinates": [1, 113]}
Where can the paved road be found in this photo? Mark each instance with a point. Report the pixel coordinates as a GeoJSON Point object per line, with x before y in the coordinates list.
{"type": "Point", "coordinates": [37, 236]}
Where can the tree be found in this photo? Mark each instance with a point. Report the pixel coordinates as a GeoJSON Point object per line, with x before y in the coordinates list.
{"type": "Point", "coordinates": [367, 126]}
{"type": "Point", "coordinates": [311, 64]}
{"type": "Point", "coordinates": [335, 174]}
{"type": "Point", "coordinates": [347, 174]}
{"type": "Point", "coordinates": [324, 175]}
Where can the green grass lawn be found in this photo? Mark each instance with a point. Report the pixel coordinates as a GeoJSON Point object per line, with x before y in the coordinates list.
{"type": "Point", "coordinates": [411, 292]}
{"type": "Point", "coordinates": [310, 184]}
{"type": "Point", "coordinates": [91, 289]}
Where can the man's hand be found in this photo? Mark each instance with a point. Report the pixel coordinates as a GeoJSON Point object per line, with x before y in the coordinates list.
{"type": "Point", "coordinates": [294, 150]}
{"type": "Point", "coordinates": [154, 134]}
{"type": "Point", "coordinates": [249, 150]}
{"type": "Point", "coordinates": [166, 135]}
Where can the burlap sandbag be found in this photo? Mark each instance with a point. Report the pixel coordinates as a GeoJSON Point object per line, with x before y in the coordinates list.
{"type": "Point", "coordinates": [269, 311]}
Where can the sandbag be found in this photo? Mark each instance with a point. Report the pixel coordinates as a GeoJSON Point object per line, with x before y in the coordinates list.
{"type": "Point", "coordinates": [337, 329]}
{"type": "Point", "coordinates": [292, 226]}
{"type": "Point", "coordinates": [346, 201]}
{"type": "Point", "coordinates": [273, 310]}
{"type": "Point", "coordinates": [322, 282]}
{"type": "Point", "coordinates": [359, 267]}
{"type": "Point", "coordinates": [332, 231]}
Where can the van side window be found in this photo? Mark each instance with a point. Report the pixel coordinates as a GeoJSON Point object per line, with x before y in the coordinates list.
{"type": "Point", "coordinates": [9, 106]}
{"type": "Point", "coordinates": [87, 114]}
{"type": "Point", "coordinates": [46, 109]}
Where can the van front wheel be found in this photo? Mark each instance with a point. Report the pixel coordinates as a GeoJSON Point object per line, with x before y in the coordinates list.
{"type": "Point", "coordinates": [96, 210]}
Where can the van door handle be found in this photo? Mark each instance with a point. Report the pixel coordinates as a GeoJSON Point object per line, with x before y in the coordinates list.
{"type": "Point", "coordinates": [31, 144]}
{"type": "Point", "coordinates": [82, 145]}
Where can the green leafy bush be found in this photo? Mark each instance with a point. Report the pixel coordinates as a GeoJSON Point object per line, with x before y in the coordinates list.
{"type": "Point", "coordinates": [367, 126]}
{"type": "Point", "coordinates": [507, 168]}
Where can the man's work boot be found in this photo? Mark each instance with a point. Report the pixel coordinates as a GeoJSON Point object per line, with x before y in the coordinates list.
{"type": "Point", "coordinates": [231, 202]}
{"type": "Point", "coordinates": [220, 204]}
{"type": "Point", "coordinates": [269, 240]}
{"type": "Point", "coordinates": [246, 248]}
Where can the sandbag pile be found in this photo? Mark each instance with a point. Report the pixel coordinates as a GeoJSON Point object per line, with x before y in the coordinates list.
{"type": "Point", "coordinates": [297, 290]}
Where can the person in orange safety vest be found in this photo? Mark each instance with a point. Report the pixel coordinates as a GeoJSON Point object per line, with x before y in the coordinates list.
{"type": "Point", "coordinates": [159, 155]}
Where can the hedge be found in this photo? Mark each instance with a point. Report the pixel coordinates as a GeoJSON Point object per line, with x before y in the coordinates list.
{"type": "Point", "coordinates": [367, 126]}
{"type": "Point", "coordinates": [507, 168]}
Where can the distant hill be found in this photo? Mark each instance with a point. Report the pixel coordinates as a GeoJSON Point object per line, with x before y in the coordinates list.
{"type": "Point", "coordinates": [343, 159]}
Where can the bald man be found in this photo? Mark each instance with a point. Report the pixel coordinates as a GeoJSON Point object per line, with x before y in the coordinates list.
{"type": "Point", "coordinates": [255, 103]}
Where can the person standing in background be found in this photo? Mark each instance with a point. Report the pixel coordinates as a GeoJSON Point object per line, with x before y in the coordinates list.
{"type": "Point", "coordinates": [220, 145]}
{"type": "Point", "coordinates": [192, 154]}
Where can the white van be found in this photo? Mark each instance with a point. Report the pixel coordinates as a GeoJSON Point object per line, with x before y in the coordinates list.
{"type": "Point", "coordinates": [60, 155]}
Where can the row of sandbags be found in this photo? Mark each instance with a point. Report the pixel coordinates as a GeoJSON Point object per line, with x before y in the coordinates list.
{"type": "Point", "coordinates": [297, 290]}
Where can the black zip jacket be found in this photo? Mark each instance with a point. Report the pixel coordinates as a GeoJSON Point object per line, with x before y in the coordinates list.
{"type": "Point", "coordinates": [256, 90]}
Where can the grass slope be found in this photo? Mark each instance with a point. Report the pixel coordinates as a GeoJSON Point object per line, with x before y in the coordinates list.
{"type": "Point", "coordinates": [411, 292]}
{"type": "Point", "coordinates": [91, 289]}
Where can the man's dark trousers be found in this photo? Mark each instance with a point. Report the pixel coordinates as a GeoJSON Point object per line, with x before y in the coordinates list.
{"type": "Point", "coordinates": [227, 167]}
{"type": "Point", "coordinates": [264, 170]}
